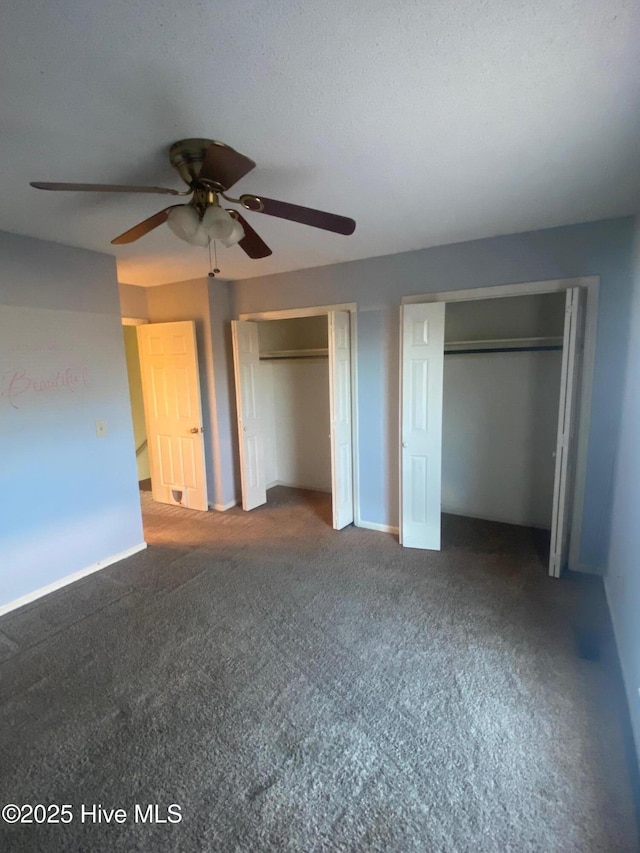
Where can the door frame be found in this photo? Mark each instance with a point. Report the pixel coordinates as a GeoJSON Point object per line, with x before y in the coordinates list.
{"type": "Point", "coordinates": [316, 311]}
{"type": "Point", "coordinates": [591, 284]}
{"type": "Point", "coordinates": [137, 321]}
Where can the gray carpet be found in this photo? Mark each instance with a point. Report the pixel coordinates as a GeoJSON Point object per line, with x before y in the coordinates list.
{"type": "Point", "coordinates": [297, 689]}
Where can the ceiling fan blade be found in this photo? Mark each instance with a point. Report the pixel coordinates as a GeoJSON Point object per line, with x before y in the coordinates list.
{"type": "Point", "coordinates": [143, 228]}
{"type": "Point", "coordinates": [103, 188]}
{"type": "Point", "coordinates": [296, 213]}
{"type": "Point", "coordinates": [224, 165]}
{"type": "Point", "coordinates": [252, 243]}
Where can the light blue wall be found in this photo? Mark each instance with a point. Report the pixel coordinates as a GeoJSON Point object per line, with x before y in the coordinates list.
{"type": "Point", "coordinates": [226, 436]}
{"type": "Point", "coordinates": [378, 284]}
{"type": "Point", "coordinates": [623, 574]}
{"type": "Point", "coordinates": [68, 499]}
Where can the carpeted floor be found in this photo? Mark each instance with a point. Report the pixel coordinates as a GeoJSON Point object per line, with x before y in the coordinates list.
{"type": "Point", "coordinates": [296, 689]}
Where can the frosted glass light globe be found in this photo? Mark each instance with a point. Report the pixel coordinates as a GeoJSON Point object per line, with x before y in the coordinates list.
{"type": "Point", "coordinates": [217, 223]}
{"type": "Point", "coordinates": [184, 222]}
{"type": "Point", "coordinates": [200, 238]}
{"type": "Point", "coordinates": [236, 235]}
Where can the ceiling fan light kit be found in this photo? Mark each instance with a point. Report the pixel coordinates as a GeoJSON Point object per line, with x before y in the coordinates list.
{"type": "Point", "coordinates": [216, 224]}
{"type": "Point", "coordinates": [210, 168]}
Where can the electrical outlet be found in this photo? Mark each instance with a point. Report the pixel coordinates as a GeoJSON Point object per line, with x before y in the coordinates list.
{"type": "Point", "coordinates": [101, 428]}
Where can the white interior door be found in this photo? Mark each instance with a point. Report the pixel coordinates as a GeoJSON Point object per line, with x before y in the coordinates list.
{"type": "Point", "coordinates": [340, 408]}
{"type": "Point", "coordinates": [246, 360]}
{"type": "Point", "coordinates": [173, 413]}
{"type": "Point", "coordinates": [567, 425]}
{"type": "Point", "coordinates": [422, 369]}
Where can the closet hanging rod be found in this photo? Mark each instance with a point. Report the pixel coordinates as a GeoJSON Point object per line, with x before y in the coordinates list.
{"type": "Point", "coordinates": [485, 350]}
{"type": "Point", "coordinates": [272, 355]}
{"type": "Point", "coordinates": [546, 340]}
{"type": "Point", "coordinates": [293, 357]}
{"type": "Point", "coordinates": [495, 345]}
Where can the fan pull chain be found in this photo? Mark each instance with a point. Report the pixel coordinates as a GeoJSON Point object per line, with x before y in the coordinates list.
{"type": "Point", "coordinates": [212, 273]}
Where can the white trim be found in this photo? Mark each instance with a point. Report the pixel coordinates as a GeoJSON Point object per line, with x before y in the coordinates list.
{"type": "Point", "coordinates": [400, 409]}
{"type": "Point", "coordinates": [584, 420]}
{"type": "Point", "coordinates": [355, 432]}
{"type": "Point", "coordinates": [292, 313]}
{"type": "Point", "coordinates": [223, 507]}
{"type": "Point", "coordinates": [592, 286]}
{"type": "Point", "coordinates": [315, 311]}
{"type": "Point", "coordinates": [52, 587]}
{"type": "Point", "coordinates": [133, 321]}
{"type": "Point", "coordinates": [498, 291]}
{"type": "Point", "coordinates": [381, 528]}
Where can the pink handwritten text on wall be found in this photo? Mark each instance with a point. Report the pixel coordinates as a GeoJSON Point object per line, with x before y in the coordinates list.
{"type": "Point", "coordinates": [19, 382]}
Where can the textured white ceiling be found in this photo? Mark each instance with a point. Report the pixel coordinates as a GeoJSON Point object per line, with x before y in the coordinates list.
{"type": "Point", "coordinates": [427, 122]}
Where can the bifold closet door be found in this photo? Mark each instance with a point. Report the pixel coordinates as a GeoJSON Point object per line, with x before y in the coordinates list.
{"type": "Point", "coordinates": [340, 413]}
{"type": "Point", "coordinates": [422, 368]}
{"type": "Point", "coordinates": [246, 362]}
{"type": "Point", "coordinates": [567, 429]}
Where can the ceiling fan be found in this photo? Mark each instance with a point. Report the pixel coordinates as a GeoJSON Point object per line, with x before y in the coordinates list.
{"type": "Point", "coordinates": [210, 168]}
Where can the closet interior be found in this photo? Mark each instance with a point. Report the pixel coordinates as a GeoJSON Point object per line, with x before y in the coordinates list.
{"type": "Point", "coordinates": [502, 372]}
{"type": "Point", "coordinates": [294, 402]}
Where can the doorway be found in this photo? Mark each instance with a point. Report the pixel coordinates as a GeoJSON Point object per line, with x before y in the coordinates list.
{"type": "Point", "coordinates": [494, 409]}
{"type": "Point", "coordinates": [164, 387]}
{"type": "Point", "coordinates": [294, 389]}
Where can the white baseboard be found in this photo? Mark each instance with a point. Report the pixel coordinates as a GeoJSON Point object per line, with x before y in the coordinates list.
{"type": "Point", "coordinates": [52, 587]}
{"type": "Point", "coordinates": [223, 507]}
{"type": "Point", "coordinates": [373, 525]}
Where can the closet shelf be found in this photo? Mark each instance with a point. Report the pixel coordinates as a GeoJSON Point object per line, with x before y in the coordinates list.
{"type": "Point", "coordinates": [502, 345]}
{"type": "Point", "coordinates": [294, 353]}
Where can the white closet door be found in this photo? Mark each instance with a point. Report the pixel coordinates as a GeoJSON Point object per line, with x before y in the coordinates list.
{"type": "Point", "coordinates": [421, 424]}
{"type": "Point", "coordinates": [246, 360]}
{"type": "Point", "coordinates": [340, 408]}
{"type": "Point", "coordinates": [567, 417]}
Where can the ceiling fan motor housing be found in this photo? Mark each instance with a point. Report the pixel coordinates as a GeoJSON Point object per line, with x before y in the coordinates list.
{"type": "Point", "coordinates": [187, 156]}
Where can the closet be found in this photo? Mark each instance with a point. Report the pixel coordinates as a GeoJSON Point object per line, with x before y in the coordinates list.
{"type": "Point", "coordinates": [293, 392]}
{"type": "Point", "coordinates": [490, 399]}
{"type": "Point", "coordinates": [501, 390]}
{"type": "Point", "coordinates": [294, 399]}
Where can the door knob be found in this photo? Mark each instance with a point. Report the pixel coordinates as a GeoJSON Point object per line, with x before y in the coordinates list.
{"type": "Point", "coordinates": [404, 443]}
{"type": "Point", "coordinates": [194, 430]}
